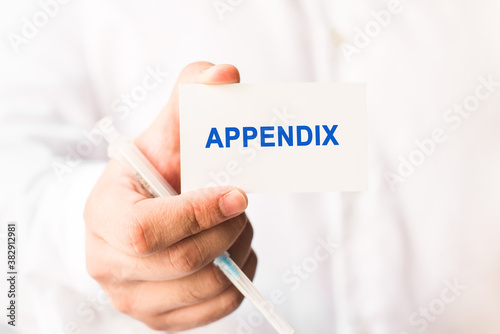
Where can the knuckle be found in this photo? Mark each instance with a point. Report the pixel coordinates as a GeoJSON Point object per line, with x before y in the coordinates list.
{"type": "Point", "coordinates": [216, 281]}
{"type": "Point", "coordinates": [231, 301]}
{"type": "Point", "coordinates": [137, 231]}
{"type": "Point", "coordinates": [94, 265]}
{"type": "Point", "coordinates": [96, 270]}
{"type": "Point", "coordinates": [171, 322]}
{"type": "Point", "coordinates": [167, 322]}
{"type": "Point", "coordinates": [194, 295]}
{"type": "Point", "coordinates": [185, 260]}
{"type": "Point", "coordinates": [123, 305]}
{"type": "Point", "coordinates": [157, 325]}
{"type": "Point", "coordinates": [194, 214]}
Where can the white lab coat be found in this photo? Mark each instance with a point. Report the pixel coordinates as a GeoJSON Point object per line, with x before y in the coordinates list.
{"type": "Point", "coordinates": [425, 256]}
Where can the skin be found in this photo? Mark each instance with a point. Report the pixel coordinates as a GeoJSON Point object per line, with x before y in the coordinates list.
{"type": "Point", "coordinates": [152, 256]}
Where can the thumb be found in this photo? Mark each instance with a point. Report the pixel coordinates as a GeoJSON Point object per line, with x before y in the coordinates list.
{"type": "Point", "coordinates": [160, 143]}
{"type": "Point", "coordinates": [154, 224]}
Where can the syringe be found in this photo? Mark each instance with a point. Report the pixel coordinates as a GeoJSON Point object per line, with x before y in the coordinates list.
{"type": "Point", "coordinates": [124, 150]}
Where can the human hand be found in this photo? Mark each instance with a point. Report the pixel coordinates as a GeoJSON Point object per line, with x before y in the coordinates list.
{"type": "Point", "coordinates": [152, 256]}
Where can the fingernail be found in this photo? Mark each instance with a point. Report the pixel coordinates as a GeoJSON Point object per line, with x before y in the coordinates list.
{"type": "Point", "coordinates": [233, 203]}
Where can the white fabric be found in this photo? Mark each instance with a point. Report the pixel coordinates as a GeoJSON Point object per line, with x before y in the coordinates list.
{"type": "Point", "coordinates": [396, 251]}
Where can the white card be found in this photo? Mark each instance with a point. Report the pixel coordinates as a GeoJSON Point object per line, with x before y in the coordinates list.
{"type": "Point", "coordinates": [283, 137]}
